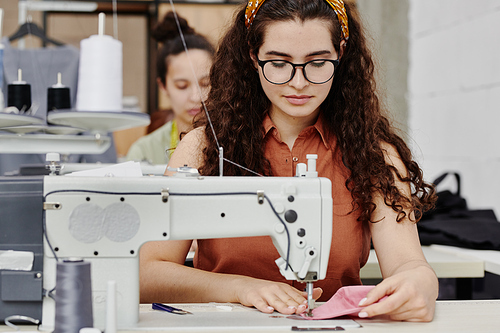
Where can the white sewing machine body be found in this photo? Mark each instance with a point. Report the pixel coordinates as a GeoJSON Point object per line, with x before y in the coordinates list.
{"type": "Point", "coordinates": [105, 220]}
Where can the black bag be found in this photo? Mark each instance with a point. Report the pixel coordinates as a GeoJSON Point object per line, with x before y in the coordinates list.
{"type": "Point", "coordinates": [452, 223]}
{"type": "Point", "coordinates": [447, 201]}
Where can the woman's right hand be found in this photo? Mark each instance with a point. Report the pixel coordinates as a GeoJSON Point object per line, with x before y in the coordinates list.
{"type": "Point", "coordinates": [268, 296]}
{"type": "Point", "coordinates": [164, 278]}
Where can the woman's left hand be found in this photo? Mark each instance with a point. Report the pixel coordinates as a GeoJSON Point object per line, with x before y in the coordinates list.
{"type": "Point", "coordinates": [411, 296]}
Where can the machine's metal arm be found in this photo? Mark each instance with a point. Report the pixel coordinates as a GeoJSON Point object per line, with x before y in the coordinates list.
{"type": "Point", "coordinates": [106, 220]}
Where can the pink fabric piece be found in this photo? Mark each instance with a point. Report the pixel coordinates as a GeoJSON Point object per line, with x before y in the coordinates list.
{"type": "Point", "coordinates": [344, 302]}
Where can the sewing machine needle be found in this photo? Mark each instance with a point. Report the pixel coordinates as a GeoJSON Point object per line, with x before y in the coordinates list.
{"type": "Point", "coordinates": [310, 299]}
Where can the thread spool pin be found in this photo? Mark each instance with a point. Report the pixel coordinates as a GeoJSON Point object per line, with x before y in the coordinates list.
{"type": "Point", "coordinates": [19, 76]}
{"type": "Point", "coordinates": [111, 307]}
{"type": "Point", "coordinates": [100, 28]}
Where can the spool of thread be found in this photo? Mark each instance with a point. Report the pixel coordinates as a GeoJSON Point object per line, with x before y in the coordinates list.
{"type": "Point", "coordinates": [73, 296]}
{"type": "Point", "coordinates": [58, 96]}
{"type": "Point", "coordinates": [2, 102]}
{"type": "Point", "coordinates": [100, 82]}
{"type": "Point", "coordinates": [19, 94]}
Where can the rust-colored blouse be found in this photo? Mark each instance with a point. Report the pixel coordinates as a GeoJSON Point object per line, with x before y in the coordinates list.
{"type": "Point", "coordinates": [255, 256]}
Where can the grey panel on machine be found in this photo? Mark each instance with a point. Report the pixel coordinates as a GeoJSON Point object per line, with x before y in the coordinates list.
{"type": "Point", "coordinates": [21, 286]}
{"type": "Point", "coordinates": [21, 225]}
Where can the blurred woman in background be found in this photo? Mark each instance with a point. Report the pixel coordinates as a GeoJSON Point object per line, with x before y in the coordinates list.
{"type": "Point", "coordinates": [184, 78]}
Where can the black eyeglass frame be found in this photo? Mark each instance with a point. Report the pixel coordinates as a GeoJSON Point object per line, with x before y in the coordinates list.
{"type": "Point", "coordinates": [262, 63]}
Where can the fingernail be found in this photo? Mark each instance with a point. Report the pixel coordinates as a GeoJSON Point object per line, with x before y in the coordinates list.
{"type": "Point", "coordinates": [270, 308]}
{"type": "Point", "coordinates": [305, 302]}
{"type": "Point", "coordinates": [362, 302]}
{"type": "Point", "coordinates": [302, 306]}
{"type": "Point", "coordinates": [292, 307]}
{"type": "Point", "coordinates": [362, 315]}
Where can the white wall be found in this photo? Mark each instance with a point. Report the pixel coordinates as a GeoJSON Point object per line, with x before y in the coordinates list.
{"type": "Point", "coordinates": [454, 93]}
{"type": "Point", "coordinates": [386, 26]}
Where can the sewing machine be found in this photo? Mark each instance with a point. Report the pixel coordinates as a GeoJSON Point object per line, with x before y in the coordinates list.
{"type": "Point", "coordinates": [105, 220]}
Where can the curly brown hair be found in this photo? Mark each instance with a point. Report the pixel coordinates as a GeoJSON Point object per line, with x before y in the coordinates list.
{"type": "Point", "coordinates": [352, 111]}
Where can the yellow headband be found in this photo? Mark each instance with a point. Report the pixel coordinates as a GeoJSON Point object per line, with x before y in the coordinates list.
{"type": "Point", "coordinates": [337, 5]}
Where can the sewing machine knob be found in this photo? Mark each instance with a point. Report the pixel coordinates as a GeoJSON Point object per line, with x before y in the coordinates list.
{"type": "Point", "coordinates": [310, 254]}
{"type": "Point", "coordinates": [291, 190]}
{"type": "Point", "coordinates": [300, 170]}
{"type": "Point", "coordinates": [300, 243]}
{"type": "Point", "coordinates": [301, 232]}
{"type": "Point", "coordinates": [279, 208]}
{"type": "Point", "coordinates": [53, 166]}
{"type": "Point", "coordinates": [279, 228]}
{"type": "Point", "coordinates": [291, 216]}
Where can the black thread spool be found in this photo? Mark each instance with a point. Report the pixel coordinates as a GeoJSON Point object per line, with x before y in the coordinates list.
{"type": "Point", "coordinates": [73, 296]}
{"type": "Point", "coordinates": [19, 94]}
{"type": "Point", "coordinates": [58, 96]}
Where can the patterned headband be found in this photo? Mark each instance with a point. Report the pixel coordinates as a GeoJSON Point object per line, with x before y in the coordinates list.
{"type": "Point", "coordinates": [337, 5]}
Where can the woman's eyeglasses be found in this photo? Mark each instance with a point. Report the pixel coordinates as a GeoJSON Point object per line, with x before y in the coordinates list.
{"type": "Point", "coordinates": [316, 71]}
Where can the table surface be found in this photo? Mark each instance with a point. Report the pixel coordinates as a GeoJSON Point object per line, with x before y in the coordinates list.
{"type": "Point", "coordinates": [450, 316]}
{"type": "Point", "coordinates": [446, 262]}
{"type": "Point", "coordinates": [491, 258]}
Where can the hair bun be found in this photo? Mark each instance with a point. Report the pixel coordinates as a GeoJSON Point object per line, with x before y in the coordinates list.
{"type": "Point", "coordinates": [167, 28]}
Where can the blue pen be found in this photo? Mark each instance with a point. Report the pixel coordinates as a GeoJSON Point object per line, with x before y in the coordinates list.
{"type": "Point", "coordinates": [168, 308]}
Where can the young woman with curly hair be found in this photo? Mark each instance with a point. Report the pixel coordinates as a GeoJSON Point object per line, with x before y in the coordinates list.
{"type": "Point", "coordinates": [290, 78]}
